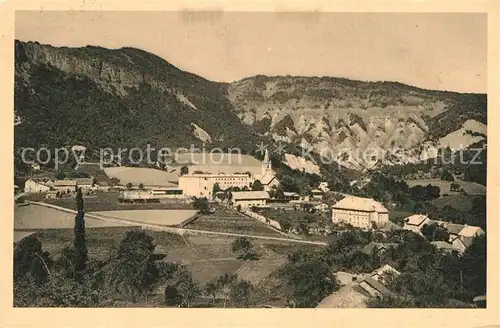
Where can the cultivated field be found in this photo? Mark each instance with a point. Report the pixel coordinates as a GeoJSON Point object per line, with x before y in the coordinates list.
{"type": "Point", "coordinates": [34, 217]}
{"type": "Point", "coordinates": [146, 176]}
{"type": "Point", "coordinates": [234, 224]}
{"type": "Point", "coordinates": [471, 188]}
{"type": "Point", "coordinates": [161, 217]}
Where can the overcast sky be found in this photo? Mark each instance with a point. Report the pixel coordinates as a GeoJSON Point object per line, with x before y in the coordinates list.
{"type": "Point", "coordinates": [432, 51]}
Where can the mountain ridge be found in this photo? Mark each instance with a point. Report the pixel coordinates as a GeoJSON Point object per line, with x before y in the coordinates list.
{"type": "Point", "coordinates": [132, 96]}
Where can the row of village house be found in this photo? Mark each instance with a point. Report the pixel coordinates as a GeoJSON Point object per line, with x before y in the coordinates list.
{"type": "Point", "coordinates": [39, 185]}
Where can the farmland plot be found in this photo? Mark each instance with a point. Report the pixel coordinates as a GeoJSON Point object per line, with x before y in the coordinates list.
{"type": "Point", "coordinates": [34, 217]}
{"type": "Point", "coordinates": [233, 224]}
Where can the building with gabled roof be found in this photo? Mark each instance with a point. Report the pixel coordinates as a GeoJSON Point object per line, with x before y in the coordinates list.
{"type": "Point", "coordinates": [375, 283]}
{"type": "Point", "coordinates": [247, 199]}
{"type": "Point", "coordinates": [465, 237]}
{"type": "Point", "coordinates": [37, 185]}
{"type": "Point", "coordinates": [454, 229]}
{"type": "Point", "coordinates": [360, 212]}
{"type": "Point", "coordinates": [416, 222]}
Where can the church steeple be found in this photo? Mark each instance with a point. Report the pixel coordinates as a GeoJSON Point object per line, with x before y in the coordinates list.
{"type": "Point", "coordinates": [266, 157]}
{"type": "Point", "coordinates": [266, 164]}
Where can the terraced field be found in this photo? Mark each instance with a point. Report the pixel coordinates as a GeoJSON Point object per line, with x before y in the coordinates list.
{"type": "Point", "coordinates": [234, 224]}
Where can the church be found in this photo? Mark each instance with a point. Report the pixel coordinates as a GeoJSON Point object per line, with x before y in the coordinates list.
{"type": "Point", "coordinates": [267, 176]}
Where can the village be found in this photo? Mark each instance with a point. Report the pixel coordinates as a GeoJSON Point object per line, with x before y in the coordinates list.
{"type": "Point", "coordinates": [256, 195]}
{"type": "Point", "coordinates": [228, 203]}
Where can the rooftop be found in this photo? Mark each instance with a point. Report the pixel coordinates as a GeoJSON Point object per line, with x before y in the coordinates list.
{"type": "Point", "coordinates": [416, 219]}
{"type": "Point", "coordinates": [213, 175]}
{"type": "Point", "coordinates": [241, 195]}
{"type": "Point", "coordinates": [470, 231]}
{"type": "Point", "coordinates": [65, 183]}
{"type": "Point", "coordinates": [376, 285]}
{"type": "Point", "coordinates": [454, 228]}
{"type": "Point", "coordinates": [360, 204]}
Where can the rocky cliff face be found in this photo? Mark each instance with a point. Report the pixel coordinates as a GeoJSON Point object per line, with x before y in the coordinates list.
{"type": "Point", "coordinates": [124, 94]}
{"type": "Point", "coordinates": [103, 97]}
{"type": "Point", "coordinates": [342, 117]}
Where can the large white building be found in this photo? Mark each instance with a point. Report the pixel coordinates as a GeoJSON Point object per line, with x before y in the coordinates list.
{"type": "Point", "coordinates": [201, 184]}
{"type": "Point", "coordinates": [360, 212]}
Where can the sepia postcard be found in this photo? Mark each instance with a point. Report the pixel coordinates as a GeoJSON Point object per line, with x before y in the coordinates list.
{"type": "Point", "coordinates": [171, 159]}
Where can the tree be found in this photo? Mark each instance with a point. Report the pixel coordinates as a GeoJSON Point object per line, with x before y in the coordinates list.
{"type": "Point", "coordinates": [215, 189]}
{"type": "Point", "coordinates": [211, 289]}
{"type": "Point", "coordinates": [172, 297]}
{"type": "Point", "coordinates": [201, 204]}
{"type": "Point", "coordinates": [307, 280]}
{"type": "Point", "coordinates": [243, 247]}
{"type": "Point", "coordinates": [187, 287]}
{"type": "Point", "coordinates": [257, 186]}
{"type": "Point", "coordinates": [473, 265]}
{"type": "Point", "coordinates": [141, 186]}
{"type": "Point", "coordinates": [80, 243]}
{"type": "Point", "coordinates": [418, 208]}
{"type": "Point", "coordinates": [30, 259]}
{"type": "Point", "coordinates": [57, 291]}
{"type": "Point", "coordinates": [129, 186]}
{"type": "Point", "coordinates": [60, 175]}
{"type": "Point", "coordinates": [434, 232]}
{"type": "Point", "coordinates": [447, 175]}
{"type": "Point", "coordinates": [241, 293]}
{"type": "Point", "coordinates": [184, 170]}
{"type": "Point", "coordinates": [131, 269]}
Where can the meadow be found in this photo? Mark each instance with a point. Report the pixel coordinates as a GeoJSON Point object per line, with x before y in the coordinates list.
{"type": "Point", "coordinates": [472, 188]}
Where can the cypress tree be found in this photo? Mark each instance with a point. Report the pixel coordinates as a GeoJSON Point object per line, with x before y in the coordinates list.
{"type": "Point", "coordinates": [80, 242]}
